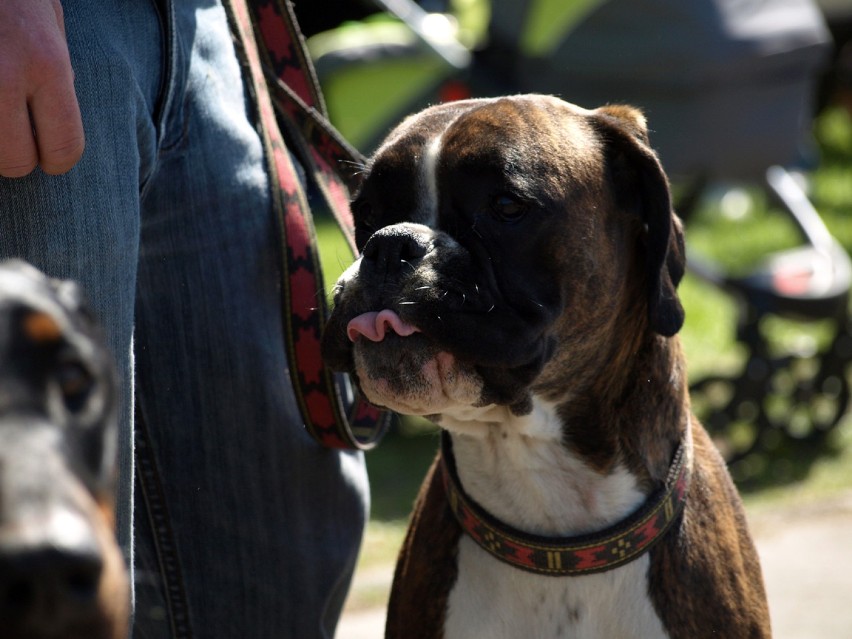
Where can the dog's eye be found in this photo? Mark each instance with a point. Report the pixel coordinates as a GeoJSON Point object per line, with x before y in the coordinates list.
{"type": "Point", "coordinates": [362, 211]}
{"type": "Point", "coordinates": [508, 209]}
{"type": "Point", "coordinates": [76, 383]}
{"type": "Point", "coordinates": [365, 209]}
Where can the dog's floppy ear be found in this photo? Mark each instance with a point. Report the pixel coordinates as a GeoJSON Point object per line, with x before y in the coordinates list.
{"type": "Point", "coordinates": [642, 186]}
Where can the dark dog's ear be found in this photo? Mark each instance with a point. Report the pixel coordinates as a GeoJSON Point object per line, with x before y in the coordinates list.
{"type": "Point", "coordinates": [641, 186]}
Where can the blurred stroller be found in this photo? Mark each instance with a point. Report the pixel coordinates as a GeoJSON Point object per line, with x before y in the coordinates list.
{"type": "Point", "coordinates": [727, 86]}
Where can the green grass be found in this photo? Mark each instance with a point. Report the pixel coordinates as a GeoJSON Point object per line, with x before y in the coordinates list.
{"type": "Point", "coordinates": [795, 474]}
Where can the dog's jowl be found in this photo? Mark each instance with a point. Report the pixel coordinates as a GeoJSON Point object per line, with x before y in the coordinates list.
{"type": "Point", "coordinates": [517, 285]}
{"type": "Point", "coordinates": [62, 575]}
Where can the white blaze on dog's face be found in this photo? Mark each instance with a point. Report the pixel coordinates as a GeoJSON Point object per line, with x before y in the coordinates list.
{"type": "Point", "coordinates": [495, 233]}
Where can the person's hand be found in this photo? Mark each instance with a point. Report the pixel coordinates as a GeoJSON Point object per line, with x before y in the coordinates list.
{"type": "Point", "coordinates": [39, 116]}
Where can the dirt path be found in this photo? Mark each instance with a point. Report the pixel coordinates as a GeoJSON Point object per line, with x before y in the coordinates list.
{"type": "Point", "coordinates": [806, 552]}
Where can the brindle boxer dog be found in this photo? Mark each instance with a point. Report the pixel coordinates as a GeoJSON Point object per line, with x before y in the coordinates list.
{"type": "Point", "coordinates": [517, 286]}
{"type": "Point", "coordinates": [62, 575]}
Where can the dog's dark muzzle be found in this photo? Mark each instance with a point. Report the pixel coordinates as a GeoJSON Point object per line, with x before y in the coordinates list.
{"type": "Point", "coordinates": [447, 300]}
{"type": "Point", "coordinates": [393, 248]}
{"type": "Point", "coordinates": [51, 560]}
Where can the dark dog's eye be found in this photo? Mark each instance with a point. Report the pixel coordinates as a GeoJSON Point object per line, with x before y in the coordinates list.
{"type": "Point", "coordinates": [508, 209]}
{"type": "Point", "coordinates": [76, 384]}
{"type": "Point", "coordinates": [362, 211]}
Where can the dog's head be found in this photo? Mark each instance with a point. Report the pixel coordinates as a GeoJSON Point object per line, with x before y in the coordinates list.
{"type": "Point", "coordinates": [61, 572]}
{"type": "Point", "coordinates": [509, 246]}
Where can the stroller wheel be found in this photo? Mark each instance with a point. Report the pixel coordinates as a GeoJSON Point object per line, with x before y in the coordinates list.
{"type": "Point", "coordinates": [730, 410]}
{"type": "Point", "coordinates": [807, 399]}
{"type": "Point", "coordinates": [774, 405]}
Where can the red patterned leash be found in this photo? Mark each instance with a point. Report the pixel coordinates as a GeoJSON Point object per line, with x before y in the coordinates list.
{"type": "Point", "coordinates": [336, 165]}
{"type": "Point", "coordinates": [615, 546]}
{"type": "Point", "coordinates": [301, 113]}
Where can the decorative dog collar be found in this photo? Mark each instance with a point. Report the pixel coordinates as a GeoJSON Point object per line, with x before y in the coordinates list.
{"type": "Point", "coordinates": [584, 554]}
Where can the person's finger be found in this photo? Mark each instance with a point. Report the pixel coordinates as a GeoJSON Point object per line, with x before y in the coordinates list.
{"type": "Point", "coordinates": [55, 112]}
{"type": "Point", "coordinates": [18, 151]}
{"type": "Point", "coordinates": [39, 114]}
{"type": "Point", "coordinates": [58, 128]}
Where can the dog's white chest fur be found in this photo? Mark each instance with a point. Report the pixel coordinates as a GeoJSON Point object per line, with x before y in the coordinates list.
{"type": "Point", "coordinates": [492, 599]}
{"type": "Point", "coordinates": [518, 470]}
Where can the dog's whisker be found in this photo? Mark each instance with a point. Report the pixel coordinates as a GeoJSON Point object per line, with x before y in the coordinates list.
{"type": "Point", "coordinates": [343, 260]}
{"type": "Point", "coordinates": [352, 163]}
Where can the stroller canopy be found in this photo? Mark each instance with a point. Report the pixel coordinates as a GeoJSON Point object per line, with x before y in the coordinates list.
{"type": "Point", "coordinates": [727, 85]}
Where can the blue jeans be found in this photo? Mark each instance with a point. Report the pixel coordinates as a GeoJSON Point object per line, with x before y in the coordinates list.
{"type": "Point", "coordinates": [242, 526]}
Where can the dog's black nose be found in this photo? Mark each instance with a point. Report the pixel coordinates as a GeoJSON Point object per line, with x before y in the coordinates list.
{"type": "Point", "coordinates": [390, 248]}
{"type": "Point", "coordinates": [47, 583]}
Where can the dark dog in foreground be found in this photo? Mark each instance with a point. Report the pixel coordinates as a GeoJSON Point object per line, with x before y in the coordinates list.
{"type": "Point", "coordinates": [517, 285]}
{"type": "Point", "coordinates": [62, 575]}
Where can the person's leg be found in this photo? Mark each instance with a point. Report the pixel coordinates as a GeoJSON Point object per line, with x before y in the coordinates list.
{"type": "Point", "coordinates": [257, 527]}
{"type": "Point", "coordinates": [84, 225]}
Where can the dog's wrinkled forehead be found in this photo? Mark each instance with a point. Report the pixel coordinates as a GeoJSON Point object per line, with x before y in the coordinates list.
{"type": "Point", "coordinates": [531, 145]}
{"type": "Point", "coordinates": [523, 131]}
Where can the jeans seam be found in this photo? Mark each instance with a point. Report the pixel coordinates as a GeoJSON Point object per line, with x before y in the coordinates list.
{"type": "Point", "coordinates": [165, 14]}
{"type": "Point", "coordinates": [163, 535]}
{"type": "Point", "coordinates": [165, 18]}
{"type": "Point", "coordinates": [174, 78]}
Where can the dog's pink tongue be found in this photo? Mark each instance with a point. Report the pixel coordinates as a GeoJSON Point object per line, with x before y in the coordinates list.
{"type": "Point", "coordinates": [374, 325]}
